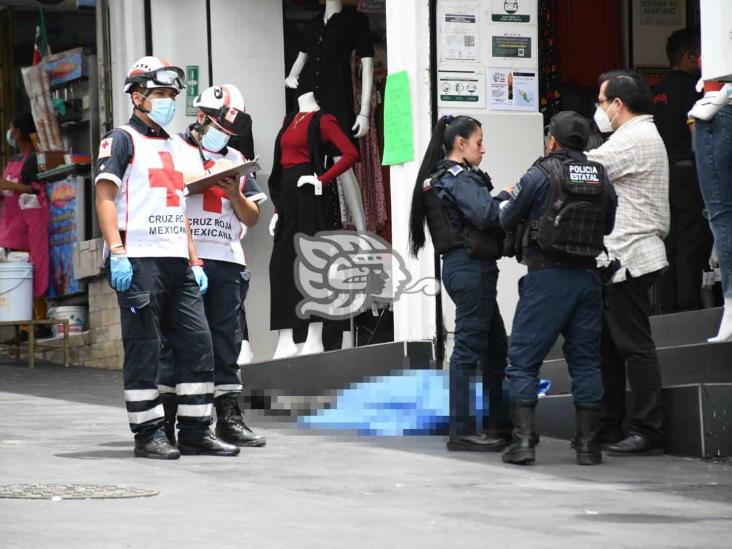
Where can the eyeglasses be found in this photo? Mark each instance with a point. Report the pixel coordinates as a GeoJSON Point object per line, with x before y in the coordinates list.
{"type": "Point", "coordinates": [601, 101]}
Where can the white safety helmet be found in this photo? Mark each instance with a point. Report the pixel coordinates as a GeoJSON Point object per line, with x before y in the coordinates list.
{"type": "Point", "coordinates": [153, 72]}
{"type": "Point", "coordinates": [224, 105]}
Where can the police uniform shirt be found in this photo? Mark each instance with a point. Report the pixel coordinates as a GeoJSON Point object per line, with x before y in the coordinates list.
{"type": "Point", "coordinates": [672, 99]}
{"type": "Point", "coordinates": [328, 71]}
{"type": "Point", "coordinates": [526, 200]}
{"type": "Point", "coordinates": [465, 193]}
{"type": "Point", "coordinates": [145, 164]}
{"type": "Point", "coordinates": [216, 230]}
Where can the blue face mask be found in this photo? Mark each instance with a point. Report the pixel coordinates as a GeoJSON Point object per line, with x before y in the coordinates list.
{"type": "Point", "coordinates": [214, 140]}
{"type": "Point", "coordinates": [9, 138]}
{"type": "Point", "coordinates": [163, 111]}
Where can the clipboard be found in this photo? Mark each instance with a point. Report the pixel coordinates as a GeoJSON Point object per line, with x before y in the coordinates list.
{"type": "Point", "coordinates": [210, 179]}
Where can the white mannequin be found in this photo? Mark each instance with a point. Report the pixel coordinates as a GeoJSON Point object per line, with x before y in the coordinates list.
{"type": "Point", "coordinates": [286, 346]}
{"type": "Point", "coordinates": [348, 181]}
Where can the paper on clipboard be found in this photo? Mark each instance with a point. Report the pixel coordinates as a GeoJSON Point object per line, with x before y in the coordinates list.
{"type": "Point", "coordinates": [202, 182]}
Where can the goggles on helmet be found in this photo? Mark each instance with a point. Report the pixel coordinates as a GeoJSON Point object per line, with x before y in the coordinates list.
{"type": "Point", "coordinates": [166, 77]}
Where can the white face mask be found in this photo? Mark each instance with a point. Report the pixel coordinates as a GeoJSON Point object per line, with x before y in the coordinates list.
{"type": "Point", "coordinates": [604, 124]}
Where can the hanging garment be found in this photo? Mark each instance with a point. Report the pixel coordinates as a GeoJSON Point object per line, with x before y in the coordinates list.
{"type": "Point", "coordinates": [368, 171]}
{"type": "Point", "coordinates": [328, 71]}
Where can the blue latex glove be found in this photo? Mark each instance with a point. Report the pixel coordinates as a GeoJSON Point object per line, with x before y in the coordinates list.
{"type": "Point", "coordinates": [201, 278]}
{"type": "Point", "coordinates": [121, 272]}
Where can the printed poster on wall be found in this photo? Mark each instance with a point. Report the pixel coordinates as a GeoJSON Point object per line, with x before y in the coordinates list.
{"type": "Point", "coordinates": [459, 30]}
{"type": "Point", "coordinates": [653, 22]}
{"type": "Point", "coordinates": [63, 231]}
{"type": "Point", "coordinates": [511, 89]}
{"type": "Point", "coordinates": [511, 46]}
{"type": "Point", "coordinates": [461, 89]}
{"type": "Point", "coordinates": [512, 11]}
{"type": "Point", "coordinates": [661, 12]}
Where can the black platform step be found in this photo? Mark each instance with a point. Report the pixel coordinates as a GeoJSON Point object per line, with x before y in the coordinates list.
{"type": "Point", "coordinates": [688, 364]}
{"type": "Point", "coordinates": [301, 383]}
{"type": "Point", "coordinates": [698, 419]}
{"type": "Point", "coordinates": [672, 330]}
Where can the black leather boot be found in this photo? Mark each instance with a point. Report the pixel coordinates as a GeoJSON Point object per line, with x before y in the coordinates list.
{"type": "Point", "coordinates": [155, 446]}
{"type": "Point", "coordinates": [588, 422]}
{"type": "Point", "coordinates": [489, 441]}
{"type": "Point", "coordinates": [230, 426]}
{"type": "Point", "coordinates": [203, 442]}
{"type": "Point", "coordinates": [521, 450]}
{"type": "Point", "coordinates": [170, 408]}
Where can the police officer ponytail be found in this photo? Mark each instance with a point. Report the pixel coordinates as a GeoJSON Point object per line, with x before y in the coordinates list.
{"type": "Point", "coordinates": [447, 130]}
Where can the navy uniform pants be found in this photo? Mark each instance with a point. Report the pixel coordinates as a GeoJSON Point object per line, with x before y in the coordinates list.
{"type": "Point", "coordinates": [480, 339]}
{"type": "Point", "coordinates": [556, 301]}
{"type": "Point", "coordinates": [164, 301]}
{"type": "Point", "coordinates": [246, 278]}
{"type": "Point", "coordinates": [222, 302]}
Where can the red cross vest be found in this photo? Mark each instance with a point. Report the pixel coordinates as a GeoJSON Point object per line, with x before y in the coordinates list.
{"type": "Point", "coordinates": [149, 202]}
{"type": "Point", "coordinates": [216, 230]}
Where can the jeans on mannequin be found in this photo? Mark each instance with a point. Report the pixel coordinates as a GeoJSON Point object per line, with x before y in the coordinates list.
{"type": "Point", "coordinates": [713, 146]}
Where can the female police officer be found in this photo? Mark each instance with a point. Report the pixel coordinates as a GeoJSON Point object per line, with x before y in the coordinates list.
{"type": "Point", "coordinates": [454, 197]}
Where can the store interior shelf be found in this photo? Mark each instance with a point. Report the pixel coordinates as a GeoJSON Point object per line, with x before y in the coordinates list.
{"type": "Point", "coordinates": [62, 171]}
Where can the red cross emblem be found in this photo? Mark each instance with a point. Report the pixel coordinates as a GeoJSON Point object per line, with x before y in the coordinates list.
{"type": "Point", "coordinates": [168, 178]}
{"type": "Point", "coordinates": [213, 199]}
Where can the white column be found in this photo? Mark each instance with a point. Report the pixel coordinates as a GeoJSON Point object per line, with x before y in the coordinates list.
{"type": "Point", "coordinates": [408, 46]}
{"type": "Point", "coordinates": [127, 45]}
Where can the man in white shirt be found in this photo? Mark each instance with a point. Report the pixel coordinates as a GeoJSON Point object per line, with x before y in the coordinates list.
{"type": "Point", "coordinates": [636, 162]}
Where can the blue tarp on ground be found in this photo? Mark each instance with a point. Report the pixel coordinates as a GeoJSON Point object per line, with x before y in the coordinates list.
{"type": "Point", "coordinates": [410, 402]}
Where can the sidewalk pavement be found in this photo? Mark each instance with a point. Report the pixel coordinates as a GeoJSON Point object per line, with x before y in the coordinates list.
{"type": "Point", "coordinates": [313, 489]}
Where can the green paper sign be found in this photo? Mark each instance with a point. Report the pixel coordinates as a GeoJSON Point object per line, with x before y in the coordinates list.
{"type": "Point", "coordinates": [398, 143]}
{"type": "Point", "coordinates": [191, 89]}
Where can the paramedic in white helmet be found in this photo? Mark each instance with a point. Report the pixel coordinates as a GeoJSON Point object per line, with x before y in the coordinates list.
{"type": "Point", "coordinates": [154, 268]}
{"type": "Point", "coordinates": [218, 217]}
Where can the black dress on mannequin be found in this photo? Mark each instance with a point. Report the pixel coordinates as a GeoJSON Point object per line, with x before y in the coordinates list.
{"type": "Point", "coordinates": [299, 151]}
{"type": "Point", "coordinates": [327, 73]}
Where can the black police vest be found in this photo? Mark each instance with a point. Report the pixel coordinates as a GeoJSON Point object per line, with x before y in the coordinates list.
{"type": "Point", "coordinates": [573, 223]}
{"type": "Point", "coordinates": [486, 244]}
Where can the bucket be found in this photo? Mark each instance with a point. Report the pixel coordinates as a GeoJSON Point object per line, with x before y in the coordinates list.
{"type": "Point", "coordinates": [76, 315]}
{"type": "Point", "coordinates": [16, 291]}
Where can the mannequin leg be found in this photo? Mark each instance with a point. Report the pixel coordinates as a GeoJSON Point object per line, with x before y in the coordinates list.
{"type": "Point", "coordinates": [314, 342]}
{"type": "Point", "coordinates": [246, 355]}
{"type": "Point", "coordinates": [352, 194]}
{"type": "Point", "coordinates": [347, 342]}
{"type": "Point", "coordinates": [285, 345]}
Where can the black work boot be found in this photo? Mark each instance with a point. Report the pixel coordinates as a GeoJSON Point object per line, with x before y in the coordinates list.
{"type": "Point", "coordinates": [521, 450]}
{"type": "Point", "coordinates": [588, 422]}
{"type": "Point", "coordinates": [230, 426]}
{"type": "Point", "coordinates": [192, 442]}
{"type": "Point", "coordinates": [155, 446]}
{"type": "Point", "coordinates": [489, 441]}
{"type": "Point", "coordinates": [170, 408]}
